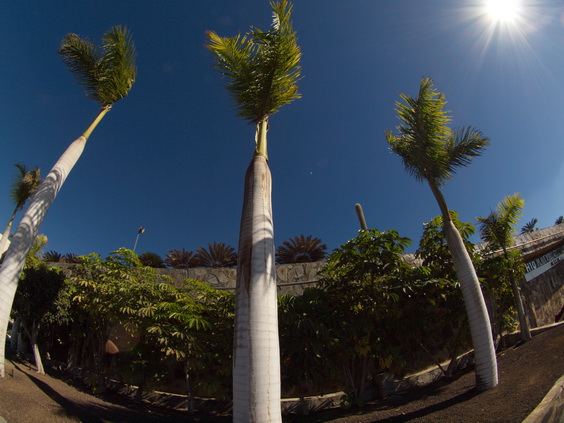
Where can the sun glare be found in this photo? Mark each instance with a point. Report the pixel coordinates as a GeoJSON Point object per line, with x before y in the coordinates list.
{"type": "Point", "coordinates": [502, 10]}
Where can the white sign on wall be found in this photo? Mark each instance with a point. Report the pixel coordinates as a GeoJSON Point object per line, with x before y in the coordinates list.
{"type": "Point", "coordinates": [544, 263]}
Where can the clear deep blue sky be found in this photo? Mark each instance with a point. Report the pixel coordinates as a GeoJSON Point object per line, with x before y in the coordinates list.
{"type": "Point", "coordinates": [172, 155]}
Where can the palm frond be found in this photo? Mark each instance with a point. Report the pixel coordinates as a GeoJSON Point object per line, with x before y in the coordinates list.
{"type": "Point", "coordinates": [511, 208]}
{"type": "Point", "coordinates": [529, 226]}
{"type": "Point", "coordinates": [81, 57]}
{"type": "Point", "coordinates": [262, 68]}
{"type": "Point", "coordinates": [107, 73]}
{"type": "Point", "coordinates": [117, 65]}
{"type": "Point", "coordinates": [464, 145]}
{"type": "Point", "coordinates": [422, 133]}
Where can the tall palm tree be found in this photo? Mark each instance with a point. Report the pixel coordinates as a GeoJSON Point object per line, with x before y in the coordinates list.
{"type": "Point", "coordinates": [107, 74]}
{"type": "Point", "coordinates": [529, 226]}
{"type": "Point", "coordinates": [431, 152]}
{"type": "Point", "coordinates": [24, 186]}
{"type": "Point", "coordinates": [558, 221]}
{"type": "Point", "coordinates": [497, 230]}
{"type": "Point", "coordinates": [301, 249]}
{"type": "Point", "coordinates": [262, 70]}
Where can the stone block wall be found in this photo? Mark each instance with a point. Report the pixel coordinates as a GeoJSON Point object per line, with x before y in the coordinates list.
{"type": "Point", "coordinates": [290, 278]}
{"type": "Point", "coordinates": [544, 296]}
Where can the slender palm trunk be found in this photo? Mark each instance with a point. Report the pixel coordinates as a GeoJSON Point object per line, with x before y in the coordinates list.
{"type": "Point", "coordinates": [523, 324]}
{"type": "Point", "coordinates": [478, 318]}
{"type": "Point", "coordinates": [29, 226]}
{"type": "Point", "coordinates": [6, 234]}
{"type": "Point", "coordinates": [15, 334]}
{"type": "Point", "coordinates": [35, 347]}
{"type": "Point", "coordinates": [256, 361]}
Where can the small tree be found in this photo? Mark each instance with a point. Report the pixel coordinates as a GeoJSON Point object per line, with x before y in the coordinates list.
{"type": "Point", "coordinates": [306, 323]}
{"type": "Point", "coordinates": [497, 230]}
{"type": "Point", "coordinates": [38, 291]}
{"type": "Point", "coordinates": [24, 186]}
{"type": "Point", "coordinates": [364, 278]}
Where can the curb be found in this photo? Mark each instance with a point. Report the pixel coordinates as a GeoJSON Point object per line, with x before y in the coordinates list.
{"type": "Point", "coordinates": [551, 408]}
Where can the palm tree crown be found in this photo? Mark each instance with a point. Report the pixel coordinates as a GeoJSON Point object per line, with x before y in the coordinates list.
{"type": "Point", "coordinates": [216, 255]}
{"type": "Point", "coordinates": [181, 259]}
{"type": "Point", "coordinates": [529, 226]}
{"type": "Point", "coordinates": [301, 249]}
{"type": "Point", "coordinates": [262, 68]}
{"type": "Point", "coordinates": [429, 149]}
{"type": "Point", "coordinates": [151, 259]}
{"type": "Point", "coordinates": [25, 184]}
{"type": "Point", "coordinates": [52, 256]}
{"type": "Point", "coordinates": [498, 227]}
{"type": "Point", "coordinates": [106, 73]}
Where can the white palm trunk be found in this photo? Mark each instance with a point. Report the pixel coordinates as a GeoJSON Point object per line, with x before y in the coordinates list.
{"type": "Point", "coordinates": [478, 318]}
{"type": "Point", "coordinates": [256, 358]}
{"type": "Point", "coordinates": [6, 235]}
{"type": "Point", "coordinates": [26, 233]}
{"type": "Point", "coordinates": [523, 324]}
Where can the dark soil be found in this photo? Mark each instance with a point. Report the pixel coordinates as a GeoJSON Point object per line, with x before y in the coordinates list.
{"type": "Point", "coordinates": [526, 372]}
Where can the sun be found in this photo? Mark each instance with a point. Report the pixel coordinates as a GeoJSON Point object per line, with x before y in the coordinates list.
{"type": "Point", "coordinates": [502, 10]}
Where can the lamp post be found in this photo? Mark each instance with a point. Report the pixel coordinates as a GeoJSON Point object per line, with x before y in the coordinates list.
{"type": "Point", "coordinates": [139, 232]}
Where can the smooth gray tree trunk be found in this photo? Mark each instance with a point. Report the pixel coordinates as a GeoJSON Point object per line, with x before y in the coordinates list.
{"type": "Point", "coordinates": [256, 361]}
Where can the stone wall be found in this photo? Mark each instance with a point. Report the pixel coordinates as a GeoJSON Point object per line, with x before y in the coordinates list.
{"type": "Point", "coordinates": [290, 278]}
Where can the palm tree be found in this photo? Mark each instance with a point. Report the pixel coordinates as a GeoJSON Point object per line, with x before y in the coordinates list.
{"type": "Point", "coordinates": [181, 259]}
{"type": "Point", "coordinates": [558, 221]}
{"type": "Point", "coordinates": [107, 74]}
{"type": "Point", "coordinates": [24, 186]}
{"type": "Point", "coordinates": [301, 249]}
{"type": "Point", "coordinates": [262, 70]}
{"type": "Point", "coordinates": [151, 259]}
{"type": "Point", "coordinates": [216, 255]}
{"type": "Point", "coordinates": [497, 230]}
{"type": "Point", "coordinates": [529, 226]}
{"type": "Point", "coordinates": [432, 152]}
{"type": "Point", "coordinates": [71, 258]}
{"type": "Point", "coordinates": [52, 256]}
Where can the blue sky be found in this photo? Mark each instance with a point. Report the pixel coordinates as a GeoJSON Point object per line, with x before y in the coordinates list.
{"type": "Point", "coordinates": [172, 155]}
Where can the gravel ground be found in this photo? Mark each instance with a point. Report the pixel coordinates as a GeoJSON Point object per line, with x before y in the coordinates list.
{"type": "Point", "coordinates": [526, 372]}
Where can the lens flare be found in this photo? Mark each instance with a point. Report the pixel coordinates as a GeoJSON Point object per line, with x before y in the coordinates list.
{"type": "Point", "coordinates": [502, 10]}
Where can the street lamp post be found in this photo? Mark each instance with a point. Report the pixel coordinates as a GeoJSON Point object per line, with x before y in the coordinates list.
{"type": "Point", "coordinates": [139, 232]}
